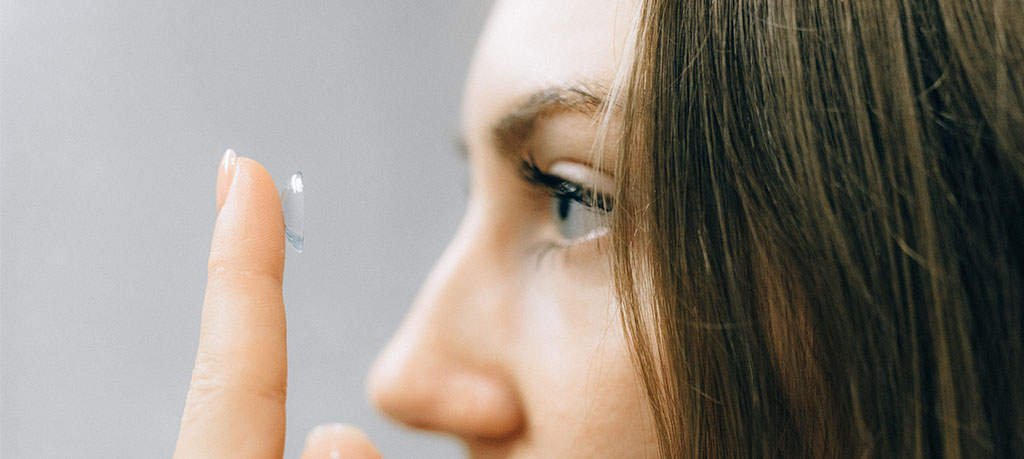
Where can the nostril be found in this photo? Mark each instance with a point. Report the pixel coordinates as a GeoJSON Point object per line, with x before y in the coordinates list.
{"type": "Point", "coordinates": [430, 393]}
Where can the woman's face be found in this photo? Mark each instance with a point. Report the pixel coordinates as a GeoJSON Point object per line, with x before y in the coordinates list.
{"type": "Point", "coordinates": [514, 343]}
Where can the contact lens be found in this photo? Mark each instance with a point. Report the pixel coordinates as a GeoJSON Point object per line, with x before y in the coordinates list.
{"type": "Point", "coordinates": [294, 211]}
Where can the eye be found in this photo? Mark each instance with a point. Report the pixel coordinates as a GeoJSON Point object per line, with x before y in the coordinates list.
{"type": "Point", "coordinates": [578, 212]}
{"type": "Point", "coordinates": [576, 218]}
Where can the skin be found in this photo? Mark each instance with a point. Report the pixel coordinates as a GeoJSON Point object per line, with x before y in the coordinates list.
{"type": "Point", "coordinates": [514, 344]}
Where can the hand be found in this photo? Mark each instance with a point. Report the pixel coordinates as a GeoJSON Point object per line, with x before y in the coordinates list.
{"type": "Point", "coordinates": [236, 401]}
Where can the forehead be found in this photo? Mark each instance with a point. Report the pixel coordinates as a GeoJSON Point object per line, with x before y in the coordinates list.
{"type": "Point", "coordinates": [529, 45]}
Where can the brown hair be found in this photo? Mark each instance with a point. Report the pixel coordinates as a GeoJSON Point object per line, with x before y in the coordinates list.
{"type": "Point", "coordinates": [821, 210]}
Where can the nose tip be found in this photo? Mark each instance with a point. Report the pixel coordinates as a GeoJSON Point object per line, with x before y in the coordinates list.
{"type": "Point", "coordinates": [424, 390]}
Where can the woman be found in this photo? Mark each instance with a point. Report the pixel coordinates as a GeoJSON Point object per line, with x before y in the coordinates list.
{"type": "Point", "coordinates": [810, 215]}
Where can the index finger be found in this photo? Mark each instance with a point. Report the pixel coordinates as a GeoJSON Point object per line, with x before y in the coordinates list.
{"type": "Point", "coordinates": [236, 401]}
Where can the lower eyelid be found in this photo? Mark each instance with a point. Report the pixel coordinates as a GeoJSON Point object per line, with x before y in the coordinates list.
{"type": "Point", "coordinates": [583, 252]}
{"type": "Point", "coordinates": [597, 233]}
{"type": "Point", "coordinates": [568, 253]}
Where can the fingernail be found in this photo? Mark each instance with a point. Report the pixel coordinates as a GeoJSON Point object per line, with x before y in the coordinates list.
{"type": "Point", "coordinates": [225, 173]}
{"type": "Point", "coordinates": [314, 434]}
{"type": "Point", "coordinates": [339, 440]}
{"type": "Point", "coordinates": [319, 444]}
{"type": "Point", "coordinates": [229, 160]}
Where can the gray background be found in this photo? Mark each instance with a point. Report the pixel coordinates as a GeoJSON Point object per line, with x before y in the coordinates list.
{"type": "Point", "coordinates": [113, 116]}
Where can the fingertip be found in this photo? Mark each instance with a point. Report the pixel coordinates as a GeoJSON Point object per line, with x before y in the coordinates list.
{"type": "Point", "coordinates": [249, 234]}
{"type": "Point", "coordinates": [339, 441]}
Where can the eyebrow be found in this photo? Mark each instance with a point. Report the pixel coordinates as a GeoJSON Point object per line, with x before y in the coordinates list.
{"type": "Point", "coordinates": [518, 124]}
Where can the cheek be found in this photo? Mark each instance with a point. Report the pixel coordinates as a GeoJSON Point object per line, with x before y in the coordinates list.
{"type": "Point", "coordinates": [579, 384]}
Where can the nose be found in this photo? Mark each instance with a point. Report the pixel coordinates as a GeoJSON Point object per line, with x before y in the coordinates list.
{"type": "Point", "coordinates": [447, 367]}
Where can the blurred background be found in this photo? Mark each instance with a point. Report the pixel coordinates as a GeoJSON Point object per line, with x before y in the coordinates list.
{"type": "Point", "coordinates": [113, 117]}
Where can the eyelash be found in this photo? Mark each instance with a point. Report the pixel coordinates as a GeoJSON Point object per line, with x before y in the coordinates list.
{"type": "Point", "coordinates": [562, 188]}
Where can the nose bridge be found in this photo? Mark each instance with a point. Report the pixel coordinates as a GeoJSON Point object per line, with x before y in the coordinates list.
{"type": "Point", "coordinates": [447, 366]}
{"type": "Point", "coordinates": [470, 290]}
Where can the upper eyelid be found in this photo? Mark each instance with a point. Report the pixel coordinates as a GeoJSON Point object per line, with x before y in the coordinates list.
{"type": "Point", "coordinates": [530, 172]}
{"type": "Point", "coordinates": [556, 185]}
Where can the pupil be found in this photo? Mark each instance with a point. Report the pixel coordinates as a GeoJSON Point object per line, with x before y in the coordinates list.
{"type": "Point", "coordinates": [563, 207]}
